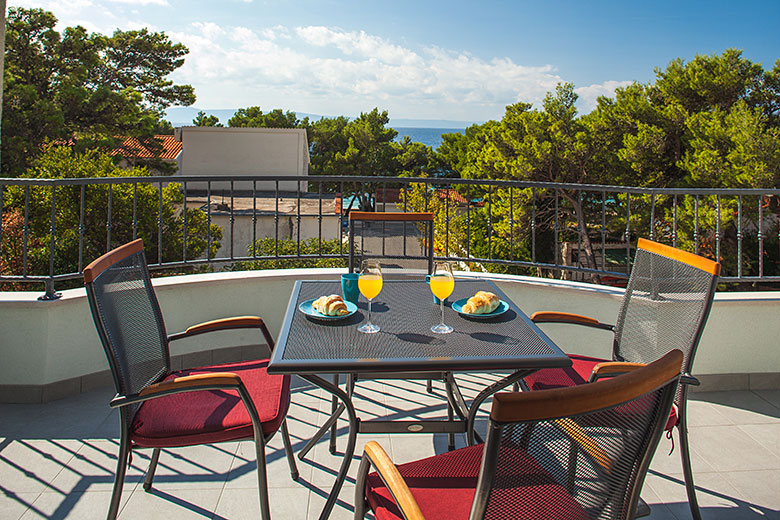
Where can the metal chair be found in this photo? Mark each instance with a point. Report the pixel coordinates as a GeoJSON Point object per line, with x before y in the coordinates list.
{"type": "Point", "coordinates": [391, 226]}
{"type": "Point", "coordinates": [387, 226]}
{"type": "Point", "coordinates": [569, 453]}
{"type": "Point", "coordinates": [665, 307]}
{"type": "Point", "coordinates": [162, 408]}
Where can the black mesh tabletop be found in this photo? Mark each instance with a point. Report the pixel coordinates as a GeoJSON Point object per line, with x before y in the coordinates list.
{"type": "Point", "coordinates": [405, 312]}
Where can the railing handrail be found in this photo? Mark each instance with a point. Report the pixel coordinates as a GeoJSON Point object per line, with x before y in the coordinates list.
{"type": "Point", "coordinates": [380, 180]}
{"type": "Point", "coordinates": [236, 187]}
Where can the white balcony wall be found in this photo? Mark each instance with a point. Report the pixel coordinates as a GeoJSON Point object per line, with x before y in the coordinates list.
{"type": "Point", "coordinates": [50, 342]}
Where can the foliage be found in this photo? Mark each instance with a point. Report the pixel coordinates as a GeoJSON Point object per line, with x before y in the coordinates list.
{"type": "Point", "coordinates": [414, 159]}
{"type": "Point", "coordinates": [269, 247]}
{"type": "Point", "coordinates": [253, 117]}
{"type": "Point", "coordinates": [100, 217]}
{"type": "Point", "coordinates": [84, 88]}
{"type": "Point", "coordinates": [205, 120]}
{"type": "Point", "coordinates": [710, 122]}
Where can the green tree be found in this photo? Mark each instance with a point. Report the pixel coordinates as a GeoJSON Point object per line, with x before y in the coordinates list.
{"type": "Point", "coordinates": [206, 120]}
{"type": "Point", "coordinates": [100, 217]}
{"type": "Point", "coordinates": [253, 117]}
{"type": "Point", "coordinates": [88, 89]}
{"type": "Point", "coordinates": [414, 159]}
{"type": "Point", "coordinates": [327, 138]}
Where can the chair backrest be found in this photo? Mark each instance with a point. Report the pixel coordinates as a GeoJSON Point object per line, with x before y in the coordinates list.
{"type": "Point", "coordinates": [666, 304]}
{"type": "Point", "coordinates": [128, 318]}
{"type": "Point", "coordinates": [577, 452]}
{"type": "Point", "coordinates": [384, 235]}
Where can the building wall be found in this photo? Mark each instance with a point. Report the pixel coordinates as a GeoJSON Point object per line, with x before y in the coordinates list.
{"type": "Point", "coordinates": [51, 348]}
{"type": "Point", "coordinates": [216, 151]}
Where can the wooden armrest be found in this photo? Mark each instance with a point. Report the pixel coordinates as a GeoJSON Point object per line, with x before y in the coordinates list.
{"type": "Point", "coordinates": [575, 400]}
{"type": "Point", "coordinates": [193, 381]}
{"type": "Point", "coordinates": [236, 322]}
{"type": "Point", "coordinates": [390, 216]}
{"type": "Point", "coordinates": [585, 441]}
{"type": "Point", "coordinates": [393, 480]}
{"type": "Point", "coordinates": [612, 369]}
{"type": "Point", "coordinates": [567, 317]}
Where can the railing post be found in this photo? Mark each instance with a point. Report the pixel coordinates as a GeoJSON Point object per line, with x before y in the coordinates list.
{"type": "Point", "coordinates": [50, 293]}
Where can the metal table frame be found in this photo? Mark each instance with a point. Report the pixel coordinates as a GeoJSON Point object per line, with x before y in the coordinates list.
{"type": "Point", "coordinates": [520, 363]}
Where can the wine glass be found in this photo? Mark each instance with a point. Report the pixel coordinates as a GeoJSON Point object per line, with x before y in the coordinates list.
{"type": "Point", "coordinates": [370, 284]}
{"type": "Point", "coordinates": [442, 284]}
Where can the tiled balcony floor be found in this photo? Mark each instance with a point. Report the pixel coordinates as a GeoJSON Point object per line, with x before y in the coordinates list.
{"type": "Point", "coordinates": [57, 460]}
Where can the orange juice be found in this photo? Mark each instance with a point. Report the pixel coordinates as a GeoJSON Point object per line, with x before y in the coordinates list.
{"type": "Point", "coordinates": [442, 286]}
{"type": "Point", "coordinates": [370, 285]}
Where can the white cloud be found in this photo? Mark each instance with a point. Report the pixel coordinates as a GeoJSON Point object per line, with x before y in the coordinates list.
{"type": "Point", "coordinates": [209, 30]}
{"type": "Point", "coordinates": [589, 95]}
{"type": "Point", "coordinates": [328, 70]}
{"type": "Point", "coordinates": [163, 3]}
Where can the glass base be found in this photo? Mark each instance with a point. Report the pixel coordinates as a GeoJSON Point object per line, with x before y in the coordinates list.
{"type": "Point", "coordinates": [368, 328]}
{"type": "Point", "coordinates": [441, 328]}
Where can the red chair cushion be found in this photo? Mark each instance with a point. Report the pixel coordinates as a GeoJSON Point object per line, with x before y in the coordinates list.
{"type": "Point", "coordinates": [444, 486]}
{"type": "Point", "coordinates": [578, 373]}
{"type": "Point", "coordinates": [204, 417]}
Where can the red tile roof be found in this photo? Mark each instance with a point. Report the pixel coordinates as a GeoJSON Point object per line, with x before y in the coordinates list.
{"type": "Point", "coordinates": [453, 195]}
{"type": "Point", "coordinates": [138, 149]}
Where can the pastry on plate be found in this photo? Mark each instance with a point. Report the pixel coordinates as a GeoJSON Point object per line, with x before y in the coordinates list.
{"type": "Point", "coordinates": [332, 305]}
{"type": "Point", "coordinates": [482, 303]}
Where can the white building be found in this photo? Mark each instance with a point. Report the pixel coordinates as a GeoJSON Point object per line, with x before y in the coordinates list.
{"type": "Point", "coordinates": [217, 151]}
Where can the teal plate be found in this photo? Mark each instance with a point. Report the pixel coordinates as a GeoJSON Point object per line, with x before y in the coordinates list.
{"type": "Point", "coordinates": [501, 309]}
{"type": "Point", "coordinates": [308, 310]}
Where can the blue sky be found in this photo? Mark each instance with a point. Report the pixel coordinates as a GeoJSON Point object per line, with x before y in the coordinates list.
{"type": "Point", "coordinates": [459, 60]}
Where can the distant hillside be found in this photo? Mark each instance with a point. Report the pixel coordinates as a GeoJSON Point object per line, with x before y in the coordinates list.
{"type": "Point", "coordinates": [183, 116]}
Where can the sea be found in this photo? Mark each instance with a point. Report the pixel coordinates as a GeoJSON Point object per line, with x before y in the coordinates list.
{"type": "Point", "coordinates": [427, 136]}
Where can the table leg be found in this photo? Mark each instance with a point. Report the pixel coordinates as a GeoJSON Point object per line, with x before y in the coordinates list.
{"type": "Point", "coordinates": [487, 392]}
{"type": "Point", "coordinates": [351, 439]}
{"type": "Point", "coordinates": [321, 432]}
{"type": "Point", "coordinates": [455, 397]}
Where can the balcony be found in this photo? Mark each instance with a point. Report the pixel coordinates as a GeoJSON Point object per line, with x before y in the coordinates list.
{"type": "Point", "coordinates": [58, 437]}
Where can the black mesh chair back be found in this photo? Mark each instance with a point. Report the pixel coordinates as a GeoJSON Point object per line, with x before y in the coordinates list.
{"type": "Point", "coordinates": [128, 319]}
{"type": "Point", "coordinates": [541, 461]}
{"type": "Point", "coordinates": [402, 240]}
{"type": "Point", "coordinates": [666, 304]}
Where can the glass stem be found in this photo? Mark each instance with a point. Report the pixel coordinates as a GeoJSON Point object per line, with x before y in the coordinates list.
{"type": "Point", "coordinates": [441, 304]}
{"type": "Point", "coordinates": [369, 312]}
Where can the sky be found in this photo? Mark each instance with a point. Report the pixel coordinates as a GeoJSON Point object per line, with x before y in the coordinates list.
{"type": "Point", "coordinates": [427, 59]}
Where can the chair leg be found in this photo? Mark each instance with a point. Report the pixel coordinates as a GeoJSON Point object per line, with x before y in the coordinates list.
{"type": "Point", "coordinates": [119, 478]}
{"type": "Point", "coordinates": [333, 405]}
{"type": "Point", "coordinates": [429, 386]}
{"type": "Point", "coordinates": [289, 451]}
{"type": "Point", "coordinates": [262, 478]}
{"type": "Point", "coordinates": [152, 468]}
{"type": "Point", "coordinates": [682, 430]}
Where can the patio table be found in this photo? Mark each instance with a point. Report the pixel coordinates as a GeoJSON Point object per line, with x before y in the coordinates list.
{"type": "Point", "coordinates": [405, 312]}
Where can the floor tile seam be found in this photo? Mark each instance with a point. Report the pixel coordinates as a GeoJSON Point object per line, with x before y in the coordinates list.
{"type": "Point", "coordinates": [222, 492]}
{"type": "Point", "coordinates": [123, 506]}
{"type": "Point", "coordinates": [62, 468]}
{"type": "Point", "coordinates": [30, 505]}
{"type": "Point", "coordinates": [770, 403]}
{"type": "Point", "coordinates": [760, 443]}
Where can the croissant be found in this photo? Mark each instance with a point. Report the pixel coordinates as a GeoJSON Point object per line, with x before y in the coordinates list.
{"type": "Point", "coordinates": [332, 305]}
{"type": "Point", "coordinates": [481, 303]}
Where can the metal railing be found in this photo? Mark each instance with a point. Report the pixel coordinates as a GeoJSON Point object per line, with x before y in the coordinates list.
{"type": "Point", "coordinates": [50, 228]}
